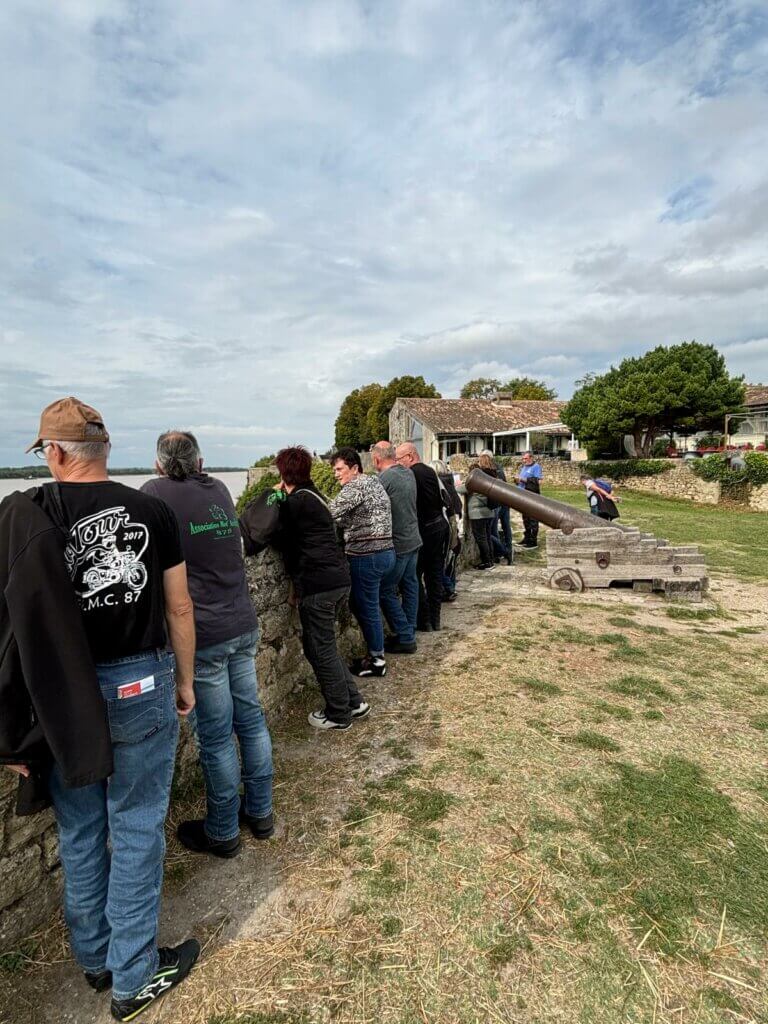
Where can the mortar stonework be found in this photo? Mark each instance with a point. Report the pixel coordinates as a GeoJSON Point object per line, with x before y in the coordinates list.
{"type": "Point", "coordinates": [30, 871]}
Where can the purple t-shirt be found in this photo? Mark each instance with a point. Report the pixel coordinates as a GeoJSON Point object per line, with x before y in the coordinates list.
{"type": "Point", "coordinates": [213, 551]}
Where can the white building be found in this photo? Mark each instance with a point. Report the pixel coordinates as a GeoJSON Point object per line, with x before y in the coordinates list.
{"type": "Point", "coordinates": [441, 427]}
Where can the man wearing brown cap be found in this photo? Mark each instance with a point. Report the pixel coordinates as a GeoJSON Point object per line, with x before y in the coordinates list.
{"type": "Point", "coordinates": [124, 558]}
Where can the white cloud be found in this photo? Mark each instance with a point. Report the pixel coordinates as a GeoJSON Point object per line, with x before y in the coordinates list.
{"type": "Point", "coordinates": [213, 215]}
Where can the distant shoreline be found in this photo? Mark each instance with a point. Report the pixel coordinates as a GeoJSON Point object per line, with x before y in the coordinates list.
{"type": "Point", "coordinates": [38, 472]}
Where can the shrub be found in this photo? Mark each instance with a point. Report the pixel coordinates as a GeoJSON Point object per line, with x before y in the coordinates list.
{"type": "Point", "coordinates": [324, 480]}
{"type": "Point", "coordinates": [627, 467]}
{"type": "Point", "coordinates": [660, 446]}
{"type": "Point", "coordinates": [264, 461]}
{"type": "Point", "coordinates": [710, 441]}
{"type": "Point", "coordinates": [716, 468]}
{"type": "Point", "coordinates": [757, 468]}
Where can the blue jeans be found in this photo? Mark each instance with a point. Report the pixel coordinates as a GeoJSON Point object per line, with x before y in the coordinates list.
{"type": "Point", "coordinates": [367, 572]}
{"type": "Point", "coordinates": [111, 833]}
{"type": "Point", "coordinates": [227, 705]}
{"type": "Point", "coordinates": [402, 579]}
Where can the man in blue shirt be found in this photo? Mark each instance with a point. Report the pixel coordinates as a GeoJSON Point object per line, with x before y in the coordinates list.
{"type": "Point", "coordinates": [529, 478]}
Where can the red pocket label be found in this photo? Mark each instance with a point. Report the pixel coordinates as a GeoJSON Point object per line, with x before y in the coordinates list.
{"type": "Point", "coordinates": [137, 688]}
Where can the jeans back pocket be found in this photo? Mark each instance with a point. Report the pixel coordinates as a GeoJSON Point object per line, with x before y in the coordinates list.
{"type": "Point", "coordinates": [134, 719]}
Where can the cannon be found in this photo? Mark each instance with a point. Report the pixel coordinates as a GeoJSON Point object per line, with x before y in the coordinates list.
{"type": "Point", "coordinates": [584, 551]}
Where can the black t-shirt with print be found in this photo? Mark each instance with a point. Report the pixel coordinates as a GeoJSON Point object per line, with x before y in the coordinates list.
{"type": "Point", "coordinates": [121, 541]}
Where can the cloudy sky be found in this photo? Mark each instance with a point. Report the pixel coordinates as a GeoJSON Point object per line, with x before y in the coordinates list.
{"type": "Point", "coordinates": [226, 215]}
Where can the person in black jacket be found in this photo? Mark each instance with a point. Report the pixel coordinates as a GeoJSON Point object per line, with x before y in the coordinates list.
{"type": "Point", "coordinates": [305, 534]}
{"type": "Point", "coordinates": [433, 527]}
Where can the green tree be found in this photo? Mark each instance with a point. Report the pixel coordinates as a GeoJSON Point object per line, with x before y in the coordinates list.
{"type": "Point", "coordinates": [377, 421]}
{"type": "Point", "coordinates": [681, 386]}
{"type": "Point", "coordinates": [526, 389]}
{"type": "Point", "coordinates": [481, 387]}
{"type": "Point", "coordinates": [351, 423]}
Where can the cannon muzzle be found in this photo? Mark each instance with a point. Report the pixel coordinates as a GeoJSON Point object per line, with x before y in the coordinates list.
{"type": "Point", "coordinates": [555, 514]}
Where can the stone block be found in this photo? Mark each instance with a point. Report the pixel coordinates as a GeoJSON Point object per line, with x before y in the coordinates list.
{"type": "Point", "coordinates": [51, 849]}
{"type": "Point", "coordinates": [20, 830]}
{"type": "Point", "coordinates": [20, 873]}
{"type": "Point", "coordinates": [9, 783]}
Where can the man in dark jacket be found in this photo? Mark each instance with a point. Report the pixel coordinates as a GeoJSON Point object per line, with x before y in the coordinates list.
{"type": "Point", "coordinates": [433, 527]}
{"type": "Point", "coordinates": [227, 711]}
{"type": "Point", "coordinates": [125, 561]}
{"type": "Point", "coordinates": [304, 532]}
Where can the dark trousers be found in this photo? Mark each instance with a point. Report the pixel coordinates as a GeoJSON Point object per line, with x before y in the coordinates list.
{"type": "Point", "coordinates": [434, 543]}
{"type": "Point", "coordinates": [530, 530]}
{"type": "Point", "coordinates": [318, 623]}
{"type": "Point", "coordinates": [481, 531]}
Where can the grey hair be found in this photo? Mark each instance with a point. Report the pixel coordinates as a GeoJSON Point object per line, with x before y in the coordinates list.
{"type": "Point", "coordinates": [487, 451]}
{"type": "Point", "coordinates": [384, 450]}
{"type": "Point", "coordinates": [439, 466]}
{"type": "Point", "coordinates": [178, 454]}
{"type": "Point", "coordinates": [85, 451]}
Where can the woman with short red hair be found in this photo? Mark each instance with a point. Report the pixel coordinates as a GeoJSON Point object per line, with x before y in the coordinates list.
{"type": "Point", "coordinates": [316, 564]}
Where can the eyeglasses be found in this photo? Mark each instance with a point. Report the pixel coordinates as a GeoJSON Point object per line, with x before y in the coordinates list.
{"type": "Point", "coordinates": [40, 452]}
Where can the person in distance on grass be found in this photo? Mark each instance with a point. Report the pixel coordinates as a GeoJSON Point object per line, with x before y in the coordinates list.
{"type": "Point", "coordinates": [481, 517]}
{"type": "Point", "coordinates": [401, 581]}
{"type": "Point", "coordinates": [306, 536]}
{"type": "Point", "coordinates": [228, 713]}
{"type": "Point", "coordinates": [529, 479]}
{"type": "Point", "coordinates": [125, 560]}
{"type": "Point", "coordinates": [363, 511]}
{"type": "Point", "coordinates": [433, 527]}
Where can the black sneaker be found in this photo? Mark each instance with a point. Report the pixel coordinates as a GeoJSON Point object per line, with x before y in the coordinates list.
{"type": "Point", "coordinates": [319, 720]}
{"type": "Point", "coordinates": [394, 646]}
{"type": "Point", "coordinates": [368, 666]}
{"type": "Point", "coordinates": [193, 836]}
{"type": "Point", "coordinates": [361, 711]}
{"type": "Point", "coordinates": [175, 964]}
{"type": "Point", "coordinates": [261, 828]}
{"type": "Point", "coordinates": [99, 981]}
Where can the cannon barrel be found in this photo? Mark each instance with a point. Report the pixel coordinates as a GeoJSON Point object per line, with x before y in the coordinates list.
{"type": "Point", "coordinates": [555, 514]}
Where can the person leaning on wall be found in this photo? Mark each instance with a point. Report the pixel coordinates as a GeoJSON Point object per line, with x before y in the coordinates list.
{"type": "Point", "coordinates": [363, 511]}
{"type": "Point", "coordinates": [306, 537]}
{"type": "Point", "coordinates": [228, 719]}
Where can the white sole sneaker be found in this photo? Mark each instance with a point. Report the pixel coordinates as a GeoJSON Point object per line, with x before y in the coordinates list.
{"type": "Point", "coordinates": [318, 720]}
{"type": "Point", "coordinates": [361, 710]}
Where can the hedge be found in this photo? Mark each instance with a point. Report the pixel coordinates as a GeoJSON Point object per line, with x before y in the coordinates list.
{"type": "Point", "coordinates": [715, 468]}
{"type": "Point", "coordinates": [624, 468]}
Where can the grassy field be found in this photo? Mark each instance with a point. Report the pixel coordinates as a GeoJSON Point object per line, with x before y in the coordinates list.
{"type": "Point", "coordinates": [733, 540]}
{"type": "Point", "coordinates": [572, 828]}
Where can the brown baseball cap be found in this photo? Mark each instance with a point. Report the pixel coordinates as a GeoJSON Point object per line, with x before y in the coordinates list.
{"type": "Point", "coordinates": [66, 420]}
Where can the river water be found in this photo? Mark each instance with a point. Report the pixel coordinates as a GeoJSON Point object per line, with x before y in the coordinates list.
{"type": "Point", "coordinates": [235, 483]}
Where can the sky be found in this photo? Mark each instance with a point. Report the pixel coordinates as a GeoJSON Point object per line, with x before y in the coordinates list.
{"type": "Point", "coordinates": [224, 216]}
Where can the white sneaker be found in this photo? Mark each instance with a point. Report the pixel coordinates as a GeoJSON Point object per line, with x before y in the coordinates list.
{"type": "Point", "coordinates": [361, 710]}
{"type": "Point", "coordinates": [319, 721]}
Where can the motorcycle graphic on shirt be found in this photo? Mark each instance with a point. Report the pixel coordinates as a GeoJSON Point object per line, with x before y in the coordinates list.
{"type": "Point", "coordinates": [103, 556]}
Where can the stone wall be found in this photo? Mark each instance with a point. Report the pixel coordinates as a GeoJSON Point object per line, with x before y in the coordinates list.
{"type": "Point", "coordinates": [758, 498]}
{"type": "Point", "coordinates": [30, 872]}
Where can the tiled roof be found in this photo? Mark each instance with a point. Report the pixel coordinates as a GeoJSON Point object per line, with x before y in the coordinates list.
{"type": "Point", "coordinates": [756, 394]}
{"type": "Point", "coordinates": [480, 415]}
